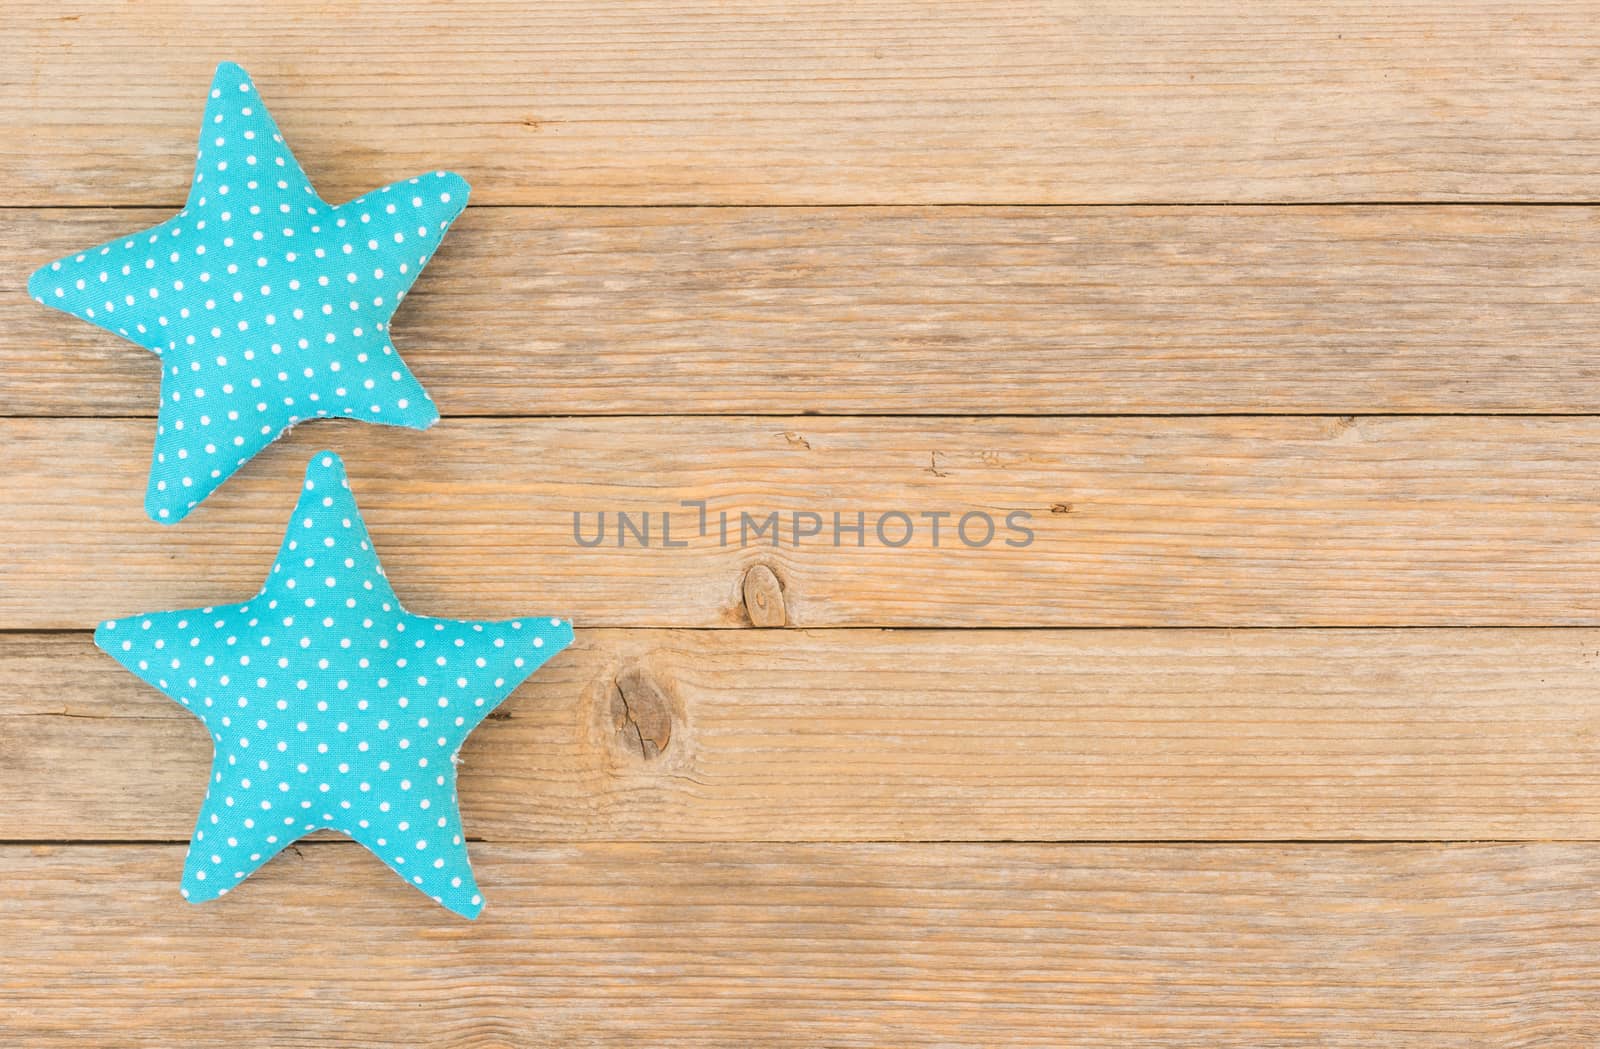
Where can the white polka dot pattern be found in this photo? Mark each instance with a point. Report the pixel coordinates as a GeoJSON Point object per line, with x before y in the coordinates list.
{"type": "Point", "coordinates": [266, 304]}
{"type": "Point", "coordinates": [329, 705]}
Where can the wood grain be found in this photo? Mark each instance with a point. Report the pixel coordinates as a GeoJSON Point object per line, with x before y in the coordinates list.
{"type": "Point", "coordinates": [847, 735]}
{"type": "Point", "coordinates": [1136, 522]}
{"type": "Point", "coordinates": [1014, 311]}
{"type": "Point", "coordinates": [701, 227]}
{"type": "Point", "coordinates": [807, 945]}
{"type": "Point", "coordinates": [881, 101]}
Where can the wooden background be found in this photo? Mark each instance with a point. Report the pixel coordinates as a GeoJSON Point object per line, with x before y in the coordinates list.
{"type": "Point", "coordinates": [1280, 318]}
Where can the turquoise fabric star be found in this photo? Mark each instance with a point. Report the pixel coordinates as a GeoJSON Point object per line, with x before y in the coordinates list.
{"type": "Point", "coordinates": [266, 304]}
{"type": "Point", "coordinates": [329, 705]}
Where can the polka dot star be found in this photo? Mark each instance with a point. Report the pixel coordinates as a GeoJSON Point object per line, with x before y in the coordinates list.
{"type": "Point", "coordinates": [329, 705]}
{"type": "Point", "coordinates": [266, 304]}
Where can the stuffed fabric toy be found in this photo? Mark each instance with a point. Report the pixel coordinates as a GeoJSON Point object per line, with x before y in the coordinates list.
{"type": "Point", "coordinates": [266, 304]}
{"type": "Point", "coordinates": [329, 705]}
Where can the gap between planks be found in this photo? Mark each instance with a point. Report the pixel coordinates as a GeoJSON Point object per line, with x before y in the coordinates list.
{"type": "Point", "coordinates": [1289, 205]}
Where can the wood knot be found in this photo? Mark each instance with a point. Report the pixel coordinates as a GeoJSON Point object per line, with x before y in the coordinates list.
{"type": "Point", "coordinates": [763, 597]}
{"type": "Point", "coordinates": [641, 713]}
{"type": "Point", "coordinates": [1346, 429]}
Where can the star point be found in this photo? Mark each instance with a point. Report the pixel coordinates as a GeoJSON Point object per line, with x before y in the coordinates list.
{"type": "Point", "coordinates": [267, 305]}
{"type": "Point", "coordinates": [329, 705]}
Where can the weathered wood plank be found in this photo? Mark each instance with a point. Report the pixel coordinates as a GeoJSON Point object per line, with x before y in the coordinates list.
{"type": "Point", "coordinates": [1135, 522]}
{"type": "Point", "coordinates": [1016, 311]}
{"type": "Point", "coordinates": [920, 735]}
{"type": "Point", "coordinates": [883, 101]}
{"type": "Point", "coordinates": [839, 945]}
